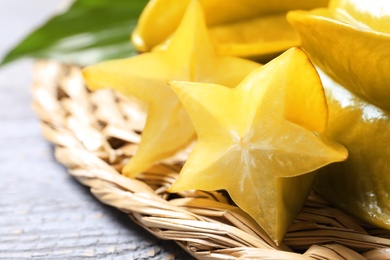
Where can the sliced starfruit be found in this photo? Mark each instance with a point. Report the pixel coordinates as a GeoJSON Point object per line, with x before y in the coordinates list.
{"type": "Point", "coordinates": [350, 41]}
{"type": "Point", "coordinates": [189, 56]}
{"type": "Point", "coordinates": [361, 184]}
{"type": "Point", "coordinates": [245, 28]}
{"type": "Point", "coordinates": [260, 141]}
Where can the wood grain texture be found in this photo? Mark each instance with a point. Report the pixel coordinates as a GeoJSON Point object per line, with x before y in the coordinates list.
{"type": "Point", "coordinates": [45, 213]}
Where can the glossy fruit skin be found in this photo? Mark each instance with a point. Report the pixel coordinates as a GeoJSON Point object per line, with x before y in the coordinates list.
{"type": "Point", "coordinates": [361, 184]}
{"type": "Point", "coordinates": [351, 45]}
{"type": "Point", "coordinates": [350, 42]}
{"type": "Point", "coordinates": [245, 28]}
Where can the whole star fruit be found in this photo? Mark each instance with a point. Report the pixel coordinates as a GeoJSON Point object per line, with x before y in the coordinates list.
{"type": "Point", "coordinates": [247, 28]}
{"type": "Point", "coordinates": [350, 41]}
{"type": "Point", "coordinates": [375, 15]}
{"type": "Point", "coordinates": [360, 185]}
{"type": "Point", "coordinates": [190, 56]}
{"type": "Point", "coordinates": [261, 141]}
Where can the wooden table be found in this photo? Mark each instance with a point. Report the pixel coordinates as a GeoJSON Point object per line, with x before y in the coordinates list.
{"type": "Point", "coordinates": [44, 213]}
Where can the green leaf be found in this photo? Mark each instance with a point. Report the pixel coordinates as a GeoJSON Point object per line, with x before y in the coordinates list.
{"type": "Point", "coordinates": [90, 31]}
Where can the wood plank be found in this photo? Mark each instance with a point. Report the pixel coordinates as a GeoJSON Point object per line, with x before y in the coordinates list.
{"type": "Point", "coordinates": [45, 213]}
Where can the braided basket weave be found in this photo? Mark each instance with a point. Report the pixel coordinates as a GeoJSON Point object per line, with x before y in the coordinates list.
{"type": "Point", "coordinates": [95, 133]}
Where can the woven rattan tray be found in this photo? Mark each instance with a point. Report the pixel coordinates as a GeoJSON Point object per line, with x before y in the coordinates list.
{"type": "Point", "coordinates": [95, 133]}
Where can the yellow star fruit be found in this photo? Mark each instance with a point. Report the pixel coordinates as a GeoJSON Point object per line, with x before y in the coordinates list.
{"type": "Point", "coordinates": [350, 41]}
{"type": "Point", "coordinates": [245, 28]}
{"type": "Point", "coordinates": [189, 56]}
{"type": "Point", "coordinates": [261, 141]}
{"type": "Point", "coordinates": [361, 184]}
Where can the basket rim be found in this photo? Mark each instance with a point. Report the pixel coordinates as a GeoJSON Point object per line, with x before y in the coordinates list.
{"type": "Point", "coordinates": [94, 133]}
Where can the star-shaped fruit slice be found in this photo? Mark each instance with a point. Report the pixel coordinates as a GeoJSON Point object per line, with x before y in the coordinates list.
{"type": "Point", "coordinates": [260, 141]}
{"type": "Point", "coordinates": [191, 57]}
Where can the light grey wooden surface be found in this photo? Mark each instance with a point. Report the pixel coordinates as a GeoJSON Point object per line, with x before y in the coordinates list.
{"type": "Point", "coordinates": [44, 213]}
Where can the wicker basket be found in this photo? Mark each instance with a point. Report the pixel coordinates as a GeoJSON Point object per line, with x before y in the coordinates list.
{"type": "Point", "coordinates": [96, 133]}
